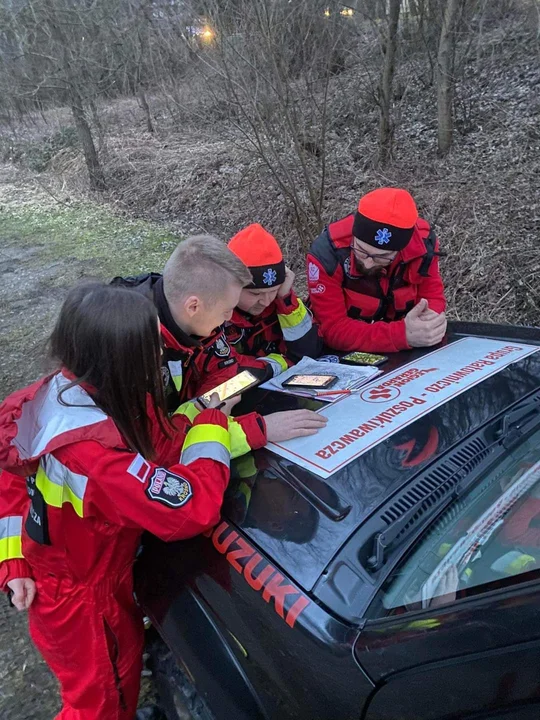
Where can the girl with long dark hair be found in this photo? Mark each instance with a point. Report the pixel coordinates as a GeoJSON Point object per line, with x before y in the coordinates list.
{"type": "Point", "coordinates": [90, 460]}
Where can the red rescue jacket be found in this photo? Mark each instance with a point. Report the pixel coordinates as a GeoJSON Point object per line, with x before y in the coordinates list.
{"type": "Point", "coordinates": [285, 327]}
{"type": "Point", "coordinates": [359, 312]}
{"type": "Point", "coordinates": [192, 366]}
{"type": "Point", "coordinates": [74, 499]}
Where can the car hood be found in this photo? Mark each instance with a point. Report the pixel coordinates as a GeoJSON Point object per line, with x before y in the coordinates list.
{"type": "Point", "coordinates": [301, 521]}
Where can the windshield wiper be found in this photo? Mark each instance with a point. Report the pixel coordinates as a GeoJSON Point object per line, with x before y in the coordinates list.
{"type": "Point", "coordinates": [516, 422]}
{"type": "Point", "coordinates": [513, 426]}
{"type": "Point", "coordinates": [429, 505]}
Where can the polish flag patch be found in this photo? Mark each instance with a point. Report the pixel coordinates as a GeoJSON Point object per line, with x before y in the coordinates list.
{"type": "Point", "coordinates": [139, 468]}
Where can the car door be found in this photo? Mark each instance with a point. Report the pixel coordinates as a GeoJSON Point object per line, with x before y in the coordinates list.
{"type": "Point", "coordinates": [454, 631]}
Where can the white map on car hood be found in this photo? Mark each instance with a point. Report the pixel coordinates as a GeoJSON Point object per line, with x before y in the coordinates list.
{"type": "Point", "coordinates": [359, 422]}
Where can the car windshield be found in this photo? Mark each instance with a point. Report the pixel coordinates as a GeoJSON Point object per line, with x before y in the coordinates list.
{"type": "Point", "coordinates": [486, 539]}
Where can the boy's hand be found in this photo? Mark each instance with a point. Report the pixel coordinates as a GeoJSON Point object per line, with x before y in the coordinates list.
{"type": "Point", "coordinates": [293, 423]}
{"type": "Point", "coordinates": [286, 285]}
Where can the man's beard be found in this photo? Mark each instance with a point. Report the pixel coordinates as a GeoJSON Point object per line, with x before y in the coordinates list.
{"type": "Point", "coordinates": [371, 272]}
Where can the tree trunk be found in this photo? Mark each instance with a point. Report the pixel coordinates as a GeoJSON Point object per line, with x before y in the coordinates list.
{"type": "Point", "coordinates": [386, 127]}
{"type": "Point", "coordinates": [97, 122]}
{"type": "Point", "coordinates": [95, 171]}
{"type": "Point", "coordinates": [445, 78]}
{"type": "Point", "coordinates": [144, 105]}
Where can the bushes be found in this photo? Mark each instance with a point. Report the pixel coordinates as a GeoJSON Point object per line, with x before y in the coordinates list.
{"type": "Point", "coordinates": [37, 154]}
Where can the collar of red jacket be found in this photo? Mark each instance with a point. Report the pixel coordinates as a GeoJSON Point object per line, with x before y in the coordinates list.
{"type": "Point", "coordinates": [246, 320]}
{"type": "Point", "coordinates": [90, 389]}
{"type": "Point", "coordinates": [33, 423]}
{"type": "Point", "coordinates": [189, 344]}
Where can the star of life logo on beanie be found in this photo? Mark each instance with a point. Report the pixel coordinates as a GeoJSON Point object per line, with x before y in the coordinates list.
{"type": "Point", "coordinates": [261, 254]}
{"type": "Point", "coordinates": [382, 237]}
{"type": "Point", "coordinates": [385, 218]}
{"type": "Point", "coordinates": [269, 277]}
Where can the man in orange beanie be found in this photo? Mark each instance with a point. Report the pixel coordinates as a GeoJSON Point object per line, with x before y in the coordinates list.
{"type": "Point", "coordinates": [269, 320]}
{"type": "Point", "coordinates": [373, 277]}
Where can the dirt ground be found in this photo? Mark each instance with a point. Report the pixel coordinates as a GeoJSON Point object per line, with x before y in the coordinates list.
{"type": "Point", "coordinates": [29, 301]}
{"type": "Point", "coordinates": [35, 272]}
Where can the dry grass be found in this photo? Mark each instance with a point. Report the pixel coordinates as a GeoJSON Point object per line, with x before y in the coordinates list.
{"type": "Point", "coordinates": [195, 174]}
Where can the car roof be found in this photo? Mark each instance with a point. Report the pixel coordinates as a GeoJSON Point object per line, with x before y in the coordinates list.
{"type": "Point", "coordinates": [300, 521]}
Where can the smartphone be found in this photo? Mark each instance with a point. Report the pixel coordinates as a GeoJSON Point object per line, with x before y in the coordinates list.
{"type": "Point", "coordinates": [362, 358]}
{"type": "Point", "coordinates": [232, 387]}
{"type": "Point", "coordinates": [310, 381]}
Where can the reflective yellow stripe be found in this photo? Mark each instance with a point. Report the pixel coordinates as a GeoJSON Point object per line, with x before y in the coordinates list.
{"type": "Point", "coordinates": [279, 359]}
{"type": "Point", "coordinates": [56, 495]}
{"type": "Point", "coordinates": [297, 324]}
{"type": "Point", "coordinates": [207, 433]}
{"type": "Point", "coordinates": [189, 410]}
{"type": "Point", "coordinates": [10, 548]}
{"type": "Point", "coordinates": [239, 443]}
{"type": "Point", "coordinates": [294, 318]}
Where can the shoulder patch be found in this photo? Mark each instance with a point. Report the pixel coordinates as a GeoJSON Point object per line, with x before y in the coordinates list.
{"type": "Point", "coordinates": [313, 273]}
{"type": "Point", "coordinates": [168, 488]}
{"type": "Point", "coordinates": [222, 348]}
{"type": "Point", "coordinates": [165, 375]}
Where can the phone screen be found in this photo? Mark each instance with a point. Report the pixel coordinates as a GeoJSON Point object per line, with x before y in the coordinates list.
{"type": "Point", "coordinates": [314, 381]}
{"type": "Point", "coordinates": [365, 358]}
{"type": "Point", "coordinates": [231, 387]}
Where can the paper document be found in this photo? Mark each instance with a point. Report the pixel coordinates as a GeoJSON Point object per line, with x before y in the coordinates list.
{"type": "Point", "coordinates": [349, 378]}
{"type": "Point", "coordinates": [358, 422]}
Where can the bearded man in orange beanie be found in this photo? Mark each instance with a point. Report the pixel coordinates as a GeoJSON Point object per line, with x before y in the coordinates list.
{"type": "Point", "coordinates": [269, 320]}
{"type": "Point", "coordinates": [373, 277]}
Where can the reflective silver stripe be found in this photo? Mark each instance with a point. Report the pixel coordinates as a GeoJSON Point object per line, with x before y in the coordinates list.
{"type": "Point", "coordinates": [10, 526]}
{"type": "Point", "coordinates": [208, 451]}
{"type": "Point", "coordinates": [44, 418]}
{"type": "Point", "coordinates": [60, 475]}
{"type": "Point", "coordinates": [298, 331]}
{"type": "Point", "coordinates": [276, 367]}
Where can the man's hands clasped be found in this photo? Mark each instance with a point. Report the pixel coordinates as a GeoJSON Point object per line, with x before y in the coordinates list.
{"type": "Point", "coordinates": [424, 327]}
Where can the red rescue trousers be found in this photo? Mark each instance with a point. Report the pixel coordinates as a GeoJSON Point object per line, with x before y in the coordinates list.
{"type": "Point", "coordinates": [92, 639]}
